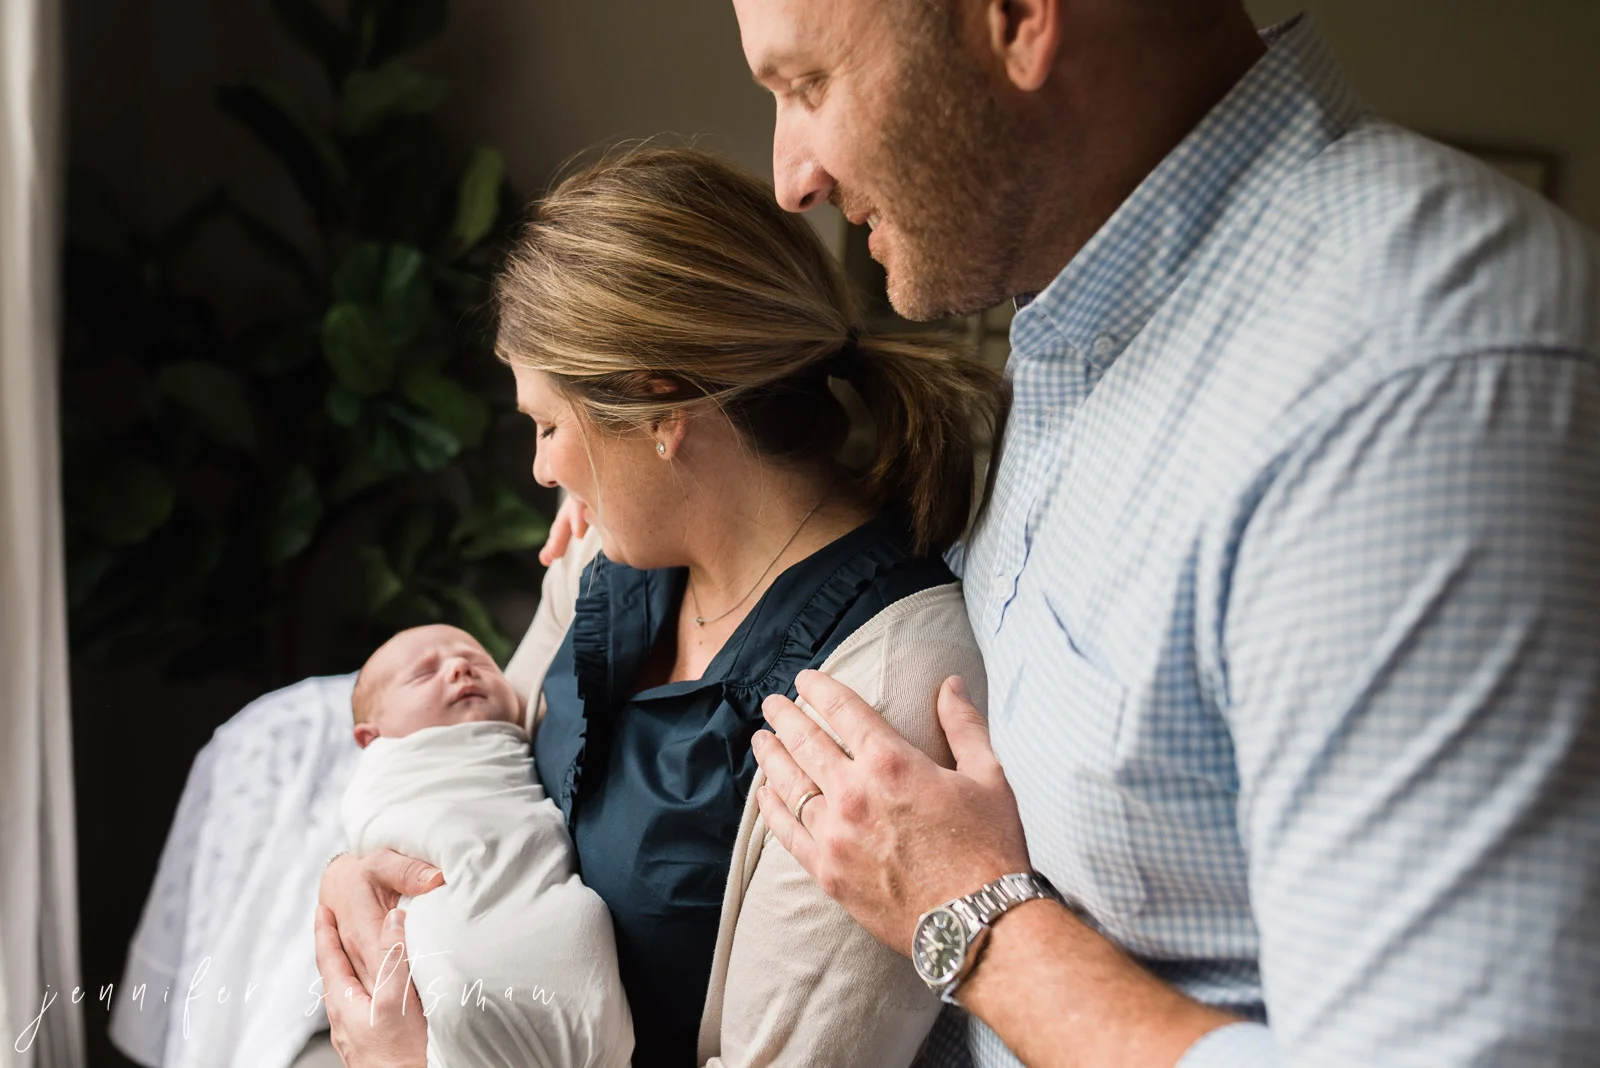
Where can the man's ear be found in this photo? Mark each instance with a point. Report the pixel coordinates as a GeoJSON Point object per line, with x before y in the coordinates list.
{"type": "Point", "coordinates": [365, 732]}
{"type": "Point", "coordinates": [1026, 36]}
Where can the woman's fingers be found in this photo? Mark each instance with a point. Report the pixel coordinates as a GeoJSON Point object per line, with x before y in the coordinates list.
{"type": "Point", "coordinates": [402, 875]}
{"type": "Point", "coordinates": [361, 891]}
{"type": "Point", "coordinates": [356, 904]}
{"type": "Point", "coordinates": [571, 521]}
{"type": "Point", "coordinates": [342, 993]}
{"type": "Point", "coordinates": [392, 993]}
{"type": "Point", "coordinates": [332, 962]}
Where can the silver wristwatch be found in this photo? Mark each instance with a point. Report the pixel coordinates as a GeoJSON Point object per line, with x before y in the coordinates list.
{"type": "Point", "coordinates": [950, 937]}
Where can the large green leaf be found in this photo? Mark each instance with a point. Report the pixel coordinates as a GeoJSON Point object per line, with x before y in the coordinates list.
{"type": "Point", "coordinates": [380, 585]}
{"type": "Point", "coordinates": [357, 348]}
{"type": "Point", "coordinates": [386, 446]}
{"type": "Point", "coordinates": [407, 296]}
{"type": "Point", "coordinates": [293, 511]}
{"type": "Point", "coordinates": [430, 446]}
{"type": "Point", "coordinates": [455, 407]}
{"type": "Point", "coordinates": [318, 34]}
{"type": "Point", "coordinates": [360, 473]}
{"type": "Point", "coordinates": [359, 276]}
{"type": "Point", "coordinates": [343, 405]}
{"type": "Point", "coordinates": [410, 536]}
{"type": "Point", "coordinates": [127, 499]}
{"type": "Point", "coordinates": [478, 200]}
{"type": "Point", "coordinates": [477, 621]}
{"type": "Point", "coordinates": [498, 521]}
{"type": "Point", "coordinates": [275, 115]}
{"type": "Point", "coordinates": [396, 88]}
{"type": "Point", "coordinates": [387, 28]}
{"type": "Point", "coordinates": [214, 396]}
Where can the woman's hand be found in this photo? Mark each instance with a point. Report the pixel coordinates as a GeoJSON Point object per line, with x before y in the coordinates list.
{"type": "Point", "coordinates": [381, 1029]}
{"type": "Point", "coordinates": [360, 891]}
{"type": "Point", "coordinates": [572, 521]}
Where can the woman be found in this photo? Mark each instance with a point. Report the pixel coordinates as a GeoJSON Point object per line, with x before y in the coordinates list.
{"type": "Point", "coordinates": [677, 339]}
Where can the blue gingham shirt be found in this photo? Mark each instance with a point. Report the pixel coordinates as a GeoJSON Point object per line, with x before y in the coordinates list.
{"type": "Point", "coordinates": [1289, 590]}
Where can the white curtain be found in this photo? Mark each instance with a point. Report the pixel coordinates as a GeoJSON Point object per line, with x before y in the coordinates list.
{"type": "Point", "coordinates": [38, 893]}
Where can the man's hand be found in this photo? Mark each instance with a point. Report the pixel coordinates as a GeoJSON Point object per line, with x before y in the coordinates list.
{"type": "Point", "coordinates": [571, 521]}
{"type": "Point", "coordinates": [381, 1029]}
{"type": "Point", "coordinates": [360, 891]}
{"type": "Point", "coordinates": [892, 833]}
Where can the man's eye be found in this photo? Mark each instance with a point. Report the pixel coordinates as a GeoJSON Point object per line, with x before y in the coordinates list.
{"type": "Point", "coordinates": [806, 90]}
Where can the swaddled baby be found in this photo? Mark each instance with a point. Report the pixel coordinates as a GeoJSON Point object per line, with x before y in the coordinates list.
{"type": "Point", "coordinates": [513, 957]}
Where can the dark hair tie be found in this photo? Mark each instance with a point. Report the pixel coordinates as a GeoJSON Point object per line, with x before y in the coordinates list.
{"type": "Point", "coordinates": [843, 362]}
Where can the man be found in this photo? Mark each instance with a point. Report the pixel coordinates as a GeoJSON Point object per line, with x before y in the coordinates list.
{"type": "Point", "coordinates": [1289, 581]}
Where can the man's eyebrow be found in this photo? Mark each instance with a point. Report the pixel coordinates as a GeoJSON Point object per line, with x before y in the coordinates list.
{"type": "Point", "coordinates": [768, 68]}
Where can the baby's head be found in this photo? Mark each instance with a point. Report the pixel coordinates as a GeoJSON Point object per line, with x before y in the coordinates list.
{"type": "Point", "coordinates": [430, 677]}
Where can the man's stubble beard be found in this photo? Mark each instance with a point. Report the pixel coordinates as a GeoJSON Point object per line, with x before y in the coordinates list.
{"type": "Point", "coordinates": [956, 180]}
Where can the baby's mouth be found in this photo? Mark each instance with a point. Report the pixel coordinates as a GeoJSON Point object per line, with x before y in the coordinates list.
{"type": "Point", "coordinates": [466, 692]}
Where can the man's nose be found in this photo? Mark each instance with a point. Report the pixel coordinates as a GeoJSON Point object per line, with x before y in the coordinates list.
{"type": "Point", "coordinates": [800, 181]}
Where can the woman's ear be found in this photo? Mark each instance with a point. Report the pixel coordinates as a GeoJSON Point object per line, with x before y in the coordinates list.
{"type": "Point", "coordinates": [668, 435]}
{"type": "Point", "coordinates": [1026, 36]}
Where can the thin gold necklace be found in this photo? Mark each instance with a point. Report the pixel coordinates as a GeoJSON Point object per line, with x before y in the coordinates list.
{"type": "Point", "coordinates": [701, 621]}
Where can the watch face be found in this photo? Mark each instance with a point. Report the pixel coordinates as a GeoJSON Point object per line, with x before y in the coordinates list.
{"type": "Point", "coordinates": [939, 946]}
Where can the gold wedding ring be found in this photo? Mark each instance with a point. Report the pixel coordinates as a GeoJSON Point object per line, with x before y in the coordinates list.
{"type": "Point", "coordinates": [800, 806]}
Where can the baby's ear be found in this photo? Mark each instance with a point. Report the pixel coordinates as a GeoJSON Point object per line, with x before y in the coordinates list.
{"type": "Point", "coordinates": [364, 733]}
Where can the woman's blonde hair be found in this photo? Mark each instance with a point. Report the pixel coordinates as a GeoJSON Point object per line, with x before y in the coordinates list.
{"type": "Point", "coordinates": [660, 278]}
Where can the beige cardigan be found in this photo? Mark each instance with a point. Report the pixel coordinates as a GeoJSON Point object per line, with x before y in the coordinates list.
{"type": "Point", "coordinates": [795, 980]}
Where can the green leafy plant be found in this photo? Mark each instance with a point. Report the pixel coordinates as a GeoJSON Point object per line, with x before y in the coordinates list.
{"type": "Point", "coordinates": [204, 470]}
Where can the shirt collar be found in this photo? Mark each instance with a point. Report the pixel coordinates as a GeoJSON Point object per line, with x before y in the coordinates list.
{"type": "Point", "coordinates": [1290, 106]}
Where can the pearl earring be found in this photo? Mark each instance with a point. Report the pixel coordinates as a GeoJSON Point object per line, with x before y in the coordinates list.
{"type": "Point", "coordinates": [661, 447]}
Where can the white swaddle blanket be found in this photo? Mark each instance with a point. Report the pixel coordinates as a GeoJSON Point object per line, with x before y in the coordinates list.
{"type": "Point", "coordinates": [513, 957]}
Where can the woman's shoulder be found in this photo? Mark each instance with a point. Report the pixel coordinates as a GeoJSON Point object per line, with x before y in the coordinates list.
{"type": "Point", "coordinates": [898, 659]}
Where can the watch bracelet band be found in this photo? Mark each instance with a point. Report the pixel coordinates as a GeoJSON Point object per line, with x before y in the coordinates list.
{"type": "Point", "coordinates": [986, 904]}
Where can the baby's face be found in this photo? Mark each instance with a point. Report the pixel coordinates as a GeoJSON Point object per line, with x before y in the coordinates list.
{"type": "Point", "coordinates": [431, 677]}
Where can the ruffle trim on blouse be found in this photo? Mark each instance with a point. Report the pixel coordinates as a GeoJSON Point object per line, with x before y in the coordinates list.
{"type": "Point", "coordinates": [816, 622]}
{"type": "Point", "coordinates": [591, 665]}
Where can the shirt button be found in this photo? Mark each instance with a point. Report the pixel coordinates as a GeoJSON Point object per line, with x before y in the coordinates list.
{"type": "Point", "coordinates": [1104, 345]}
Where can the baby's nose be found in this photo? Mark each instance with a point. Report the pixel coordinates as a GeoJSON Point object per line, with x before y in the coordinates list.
{"type": "Point", "coordinates": [457, 668]}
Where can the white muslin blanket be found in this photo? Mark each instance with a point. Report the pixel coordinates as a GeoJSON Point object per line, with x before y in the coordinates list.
{"type": "Point", "coordinates": [513, 957]}
{"type": "Point", "coordinates": [221, 972]}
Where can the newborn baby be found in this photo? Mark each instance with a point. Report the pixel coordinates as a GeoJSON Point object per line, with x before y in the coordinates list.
{"type": "Point", "coordinates": [513, 957]}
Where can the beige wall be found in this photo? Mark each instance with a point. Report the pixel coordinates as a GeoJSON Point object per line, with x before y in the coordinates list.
{"type": "Point", "coordinates": [1518, 73]}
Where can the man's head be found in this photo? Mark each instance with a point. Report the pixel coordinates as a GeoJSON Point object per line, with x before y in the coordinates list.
{"type": "Point", "coordinates": [430, 677]}
{"type": "Point", "coordinates": [983, 140]}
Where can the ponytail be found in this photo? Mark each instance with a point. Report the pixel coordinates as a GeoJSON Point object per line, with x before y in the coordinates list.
{"type": "Point", "coordinates": [932, 403]}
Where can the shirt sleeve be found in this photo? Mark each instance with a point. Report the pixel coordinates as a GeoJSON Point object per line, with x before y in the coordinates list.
{"type": "Point", "coordinates": [1240, 1045]}
{"type": "Point", "coordinates": [1409, 672]}
{"type": "Point", "coordinates": [805, 983]}
{"type": "Point", "coordinates": [558, 595]}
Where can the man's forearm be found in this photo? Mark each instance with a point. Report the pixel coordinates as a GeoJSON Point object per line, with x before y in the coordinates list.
{"type": "Point", "coordinates": [1059, 994]}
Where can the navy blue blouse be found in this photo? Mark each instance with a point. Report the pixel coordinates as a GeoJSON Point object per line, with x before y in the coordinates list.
{"type": "Point", "coordinates": [653, 783]}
